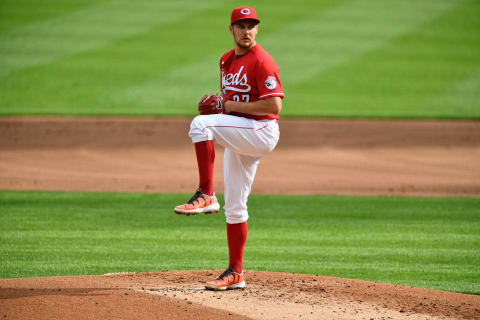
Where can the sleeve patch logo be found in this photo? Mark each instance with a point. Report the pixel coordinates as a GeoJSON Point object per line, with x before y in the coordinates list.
{"type": "Point", "coordinates": [271, 83]}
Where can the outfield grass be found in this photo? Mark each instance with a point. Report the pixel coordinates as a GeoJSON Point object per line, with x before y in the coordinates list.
{"type": "Point", "coordinates": [425, 242]}
{"type": "Point", "coordinates": [338, 58]}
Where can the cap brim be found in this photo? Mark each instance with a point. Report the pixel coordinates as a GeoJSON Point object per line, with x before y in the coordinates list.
{"type": "Point", "coordinates": [258, 21]}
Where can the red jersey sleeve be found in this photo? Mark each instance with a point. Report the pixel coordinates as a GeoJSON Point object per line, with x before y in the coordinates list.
{"type": "Point", "coordinates": [267, 76]}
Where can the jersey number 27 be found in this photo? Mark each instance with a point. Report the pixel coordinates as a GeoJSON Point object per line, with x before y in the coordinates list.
{"type": "Point", "coordinates": [245, 98]}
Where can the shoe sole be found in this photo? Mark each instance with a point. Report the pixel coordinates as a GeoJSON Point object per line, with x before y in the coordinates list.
{"type": "Point", "coordinates": [213, 208]}
{"type": "Point", "coordinates": [239, 285]}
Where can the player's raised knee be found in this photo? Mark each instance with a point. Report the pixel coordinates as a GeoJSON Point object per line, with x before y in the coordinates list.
{"type": "Point", "coordinates": [199, 129]}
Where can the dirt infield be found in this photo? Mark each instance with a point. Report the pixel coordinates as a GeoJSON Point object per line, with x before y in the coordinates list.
{"type": "Point", "coordinates": [179, 295]}
{"type": "Point", "coordinates": [313, 157]}
{"type": "Point", "coordinates": [358, 157]}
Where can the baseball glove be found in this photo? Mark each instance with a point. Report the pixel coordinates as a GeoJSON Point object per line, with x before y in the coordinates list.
{"type": "Point", "coordinates": [211, 103]}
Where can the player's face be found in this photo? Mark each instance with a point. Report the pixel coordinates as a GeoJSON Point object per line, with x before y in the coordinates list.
{"type": "Point", "coordinates": [244, 33]}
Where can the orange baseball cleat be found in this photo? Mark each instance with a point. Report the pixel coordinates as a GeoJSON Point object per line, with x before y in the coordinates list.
{"type": "Point", "coordinates": [229, 279]}
{"type": "Point", "coordinates": [200, 202]}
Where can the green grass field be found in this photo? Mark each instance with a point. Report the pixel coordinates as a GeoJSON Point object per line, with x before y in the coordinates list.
{"type": "Point", "coordinates": [425, 242]}
{"type": "Point", "coordinates": [338, 58]}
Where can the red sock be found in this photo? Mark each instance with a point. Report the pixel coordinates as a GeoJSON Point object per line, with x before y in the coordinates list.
{"type": "Point", "coordinates": [205, 151]}
{"type": "Point", "coordinates": [236, 236]}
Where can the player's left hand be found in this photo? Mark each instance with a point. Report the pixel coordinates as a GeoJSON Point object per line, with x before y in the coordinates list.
{"type": "Point", "coordinates": [212, 103]}
{"type": "Point", "coordinates": [220, 107]}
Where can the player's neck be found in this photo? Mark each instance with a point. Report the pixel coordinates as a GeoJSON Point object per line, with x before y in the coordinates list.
{"type": "Point", "coordinates": [239, 51]}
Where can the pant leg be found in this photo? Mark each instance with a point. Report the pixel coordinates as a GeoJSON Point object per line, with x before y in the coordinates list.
{"type": "Point", "coordinates": [239, 173]}
{"type": "Point", "coordinates": [241, 135]}
{"type": "Point", "coordinates": [245, 141]}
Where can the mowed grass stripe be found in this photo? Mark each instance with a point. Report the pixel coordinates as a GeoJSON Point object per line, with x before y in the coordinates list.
{"type": "Point", "coordinates": [432, 70]}
{"type": "Point", "coordinates": [344, 32]}
{"type": "Point", "coordinates": [428, 242]}
{"type": "Point", "coordinates": [89, 82]}
{"type": "Point", "coordinates": [45, 41]}
{"type": "Point", "coordinates": [19, 13]}
{"type": "Point", "coordinates": [462, 97]}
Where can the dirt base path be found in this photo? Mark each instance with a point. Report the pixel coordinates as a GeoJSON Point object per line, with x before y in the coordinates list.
{"type": "Point", "coordinates": [180, 295]}
{"type": "Point", "coordinates": [358, 157]}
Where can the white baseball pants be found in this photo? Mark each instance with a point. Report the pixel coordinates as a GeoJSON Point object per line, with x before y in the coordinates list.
{"type": "Point", "coordinates": [245, 141]}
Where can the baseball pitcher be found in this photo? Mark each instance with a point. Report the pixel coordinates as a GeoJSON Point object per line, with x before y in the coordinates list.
{"type": "Point", "coordinates": [244, 120]}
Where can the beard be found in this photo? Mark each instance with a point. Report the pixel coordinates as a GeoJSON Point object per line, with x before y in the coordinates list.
{"type": "Point", "coordinates": [245, 45]}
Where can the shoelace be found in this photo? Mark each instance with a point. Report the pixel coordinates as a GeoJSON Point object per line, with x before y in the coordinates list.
{"type": "Point", "coordinates": [195, 197]}
{"type": "Point", "coordinates": [225, 273]}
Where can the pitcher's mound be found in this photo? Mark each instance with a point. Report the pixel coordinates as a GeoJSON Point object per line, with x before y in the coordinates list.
{"type": "Point", "coordinates": [180, 295]}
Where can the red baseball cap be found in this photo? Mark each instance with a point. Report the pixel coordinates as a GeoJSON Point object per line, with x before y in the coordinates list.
{"type": "Point", "coordinates": [243, 13]}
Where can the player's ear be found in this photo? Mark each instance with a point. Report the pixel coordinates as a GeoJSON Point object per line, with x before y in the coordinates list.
{"type": "Point", "coordinates": [230, 27]}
